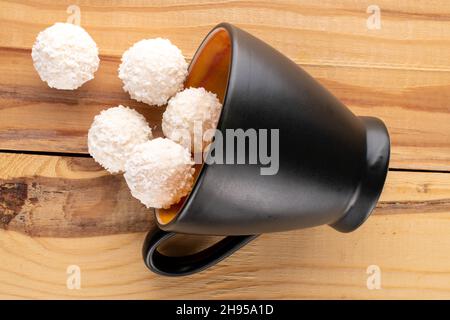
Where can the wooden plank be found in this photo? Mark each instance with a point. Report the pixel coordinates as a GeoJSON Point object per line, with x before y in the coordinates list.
{"type": "Point", "coordinates": [411, 251]}
{"type": "Point", "coordinates": [407, 238]}
{"type": "Point", "coordinates": [73, 197]}
{"type": "Point", "coordinates": [38, 118]}
{"type": "Point", "coordinates": [399, 73]}
{"type": "Point", "coordinates": [66, 197]}
{"type": "Point", "coordinates": [413, 35]}
{"type": "Point", "coordinates": [414, 105]}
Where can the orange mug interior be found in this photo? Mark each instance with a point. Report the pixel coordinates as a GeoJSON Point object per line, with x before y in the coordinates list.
{"type": "Point", "coordinates": [209, 69]}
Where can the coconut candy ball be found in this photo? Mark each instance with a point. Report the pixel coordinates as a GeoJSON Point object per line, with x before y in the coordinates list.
{"type": "Point", "coordinates": [114, 134]}
{"type": "Point", "coordinates": [188, 110]}
{"type": "Point", "coordinates": [152, 71]}
{"type": "Point", "coordinates": [65, 56]}
{"type": "Point", "coordinates": [159, 173]}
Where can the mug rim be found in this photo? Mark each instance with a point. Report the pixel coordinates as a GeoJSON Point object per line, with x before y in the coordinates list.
{"type": "Point", "coordinates": [204, 166]}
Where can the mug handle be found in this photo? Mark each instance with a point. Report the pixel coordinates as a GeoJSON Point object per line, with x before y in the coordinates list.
{"type": "Point", "coordinates": [189, 264]}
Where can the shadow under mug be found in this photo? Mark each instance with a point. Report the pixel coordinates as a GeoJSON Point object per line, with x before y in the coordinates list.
{"type": "Point", "coordinates": [332, 164]}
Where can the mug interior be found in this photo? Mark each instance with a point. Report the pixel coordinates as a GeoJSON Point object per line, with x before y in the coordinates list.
{"type": "Point", "coordinates": [209, 69]}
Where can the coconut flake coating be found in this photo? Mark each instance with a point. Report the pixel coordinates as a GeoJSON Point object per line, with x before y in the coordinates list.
{"type": "Point", "coordinates": [114, 134]}
{"type": "Point", "coordinates": [153, 70]}
{"type": "Point", "coordinates": [159, 173]}
{"type": "Point", "coordinates": [65, 56]}
{"type": "Point", "coordinates": [188, 110]}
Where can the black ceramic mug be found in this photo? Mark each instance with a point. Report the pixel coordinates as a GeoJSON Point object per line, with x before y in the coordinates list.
{"type": "Point", "coordinates": [332, 164]}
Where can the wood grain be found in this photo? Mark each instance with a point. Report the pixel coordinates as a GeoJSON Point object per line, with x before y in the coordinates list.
{"type": "Point", "coordinates": [411, 251]}
{"type": "Point", "coordinates": [414, 35]}
{"type": "Point", "coordinates": [38, 118]}
{"type": "Point", "coordinates": [35, 117]}
{"type": "Point", "coordinates": [66, 197]}
{"type": "Point", "coordinates": [407, 237]}
{"type": "Point", "coordinates": [74, 197]}
{"type": "Point", "coordinates": [57, 211]}
{"type": "Point", "coordinates": [400, 73]}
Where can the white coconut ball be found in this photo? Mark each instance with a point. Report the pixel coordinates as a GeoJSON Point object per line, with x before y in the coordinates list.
{"type": "Point", "coordinates": [153, 70]}
{"type": "Point", "coordinates": [65, 56]}
{"type": "Point", "coordinates": [114, 134]}
{"type": "Point", "coordinates": [159, 173]}
{"type": "Point", "coordinates": [187, 112]}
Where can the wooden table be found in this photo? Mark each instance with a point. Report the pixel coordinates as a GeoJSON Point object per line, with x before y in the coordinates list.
{"type": "Point", "coordinates": [58, 208]}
